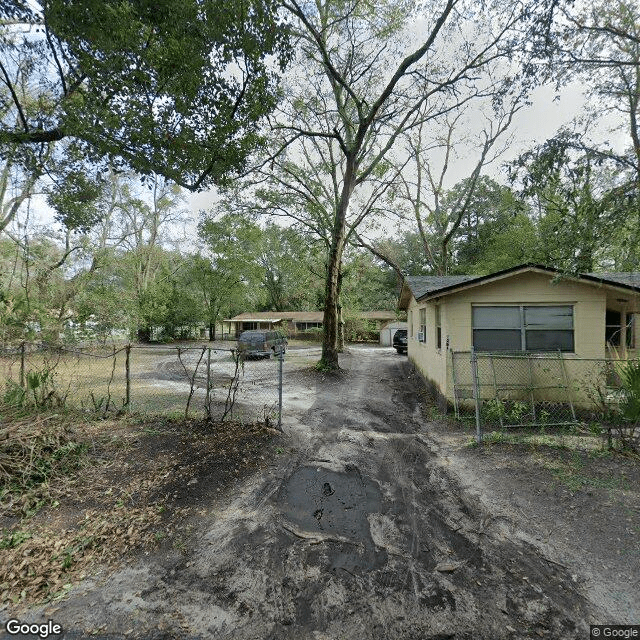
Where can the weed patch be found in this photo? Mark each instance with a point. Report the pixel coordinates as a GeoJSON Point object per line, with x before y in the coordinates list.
{"type": "Point", "coordinates": [34, 450]}
{"type": "Point", "coordinates": [77, 494]}
{"type": "Point", "coordinates": [573, 472]}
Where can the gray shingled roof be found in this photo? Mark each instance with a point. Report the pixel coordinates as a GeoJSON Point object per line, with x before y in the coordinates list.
{"type": "Point", "coordinates": [423, 285]}
{"type": "Point", "coordinates": [626, 278]}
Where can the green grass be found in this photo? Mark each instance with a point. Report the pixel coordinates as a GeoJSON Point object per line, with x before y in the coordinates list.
{"type": "Point", "coordinates": [527, 439]}
{"type": "Point", "coordinates": [574, 479]}
{"type": "Point", "coordinates": [89, 383]}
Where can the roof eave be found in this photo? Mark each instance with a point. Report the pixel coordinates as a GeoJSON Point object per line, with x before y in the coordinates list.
{"type": "Point", "coordinates": [474, 282]}
{"type": "Point", "coordinates": [610, 284]}
{"type": "Point", "coordinates": [492, 277]}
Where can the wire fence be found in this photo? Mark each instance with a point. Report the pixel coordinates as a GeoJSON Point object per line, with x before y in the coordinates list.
{"type": "Point", "coordinates": [211, 381]}
{"type": "Point", "coordinates": [534, 390]}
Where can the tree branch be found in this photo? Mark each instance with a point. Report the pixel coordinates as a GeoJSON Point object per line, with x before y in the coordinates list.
{"type": "Point", "coordinates": [14, 96]}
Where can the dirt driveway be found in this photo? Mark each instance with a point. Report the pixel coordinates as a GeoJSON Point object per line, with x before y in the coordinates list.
{"type": "Point", "coordinates": [359, 529]}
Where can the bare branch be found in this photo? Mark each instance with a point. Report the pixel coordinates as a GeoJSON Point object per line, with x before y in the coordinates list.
{"type": "Point", "coordinates": [361, 242]}
{"type": "Point", "coordinates": [14, 97]}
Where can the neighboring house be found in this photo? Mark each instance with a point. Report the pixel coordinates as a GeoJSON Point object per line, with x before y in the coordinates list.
{"type": "Point", "coordinates": [525, 309]}
{"type": "Point", "coordinates": [285, 321]}
{"type": "Point", "coordinates": [292, 322]}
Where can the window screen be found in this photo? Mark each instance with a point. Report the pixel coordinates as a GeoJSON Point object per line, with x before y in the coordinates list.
{"type": "Point", "coordinates": [523, 328]}
{"type": "Point", "coordinates": [496, 318]}
{"type": "Point", "coordinates": [549, 328]}
{"type": "Point", "coordinates": [497, 329]}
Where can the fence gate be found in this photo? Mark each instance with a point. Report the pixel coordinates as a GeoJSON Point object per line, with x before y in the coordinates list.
{"type": "Point", "coordinates": [512, 390]}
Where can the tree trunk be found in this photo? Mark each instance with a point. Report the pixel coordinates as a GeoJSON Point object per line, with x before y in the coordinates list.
{"type": "Point", "coordinates": [330, 320]}
{"type": "Point", "coordinates": [340, 318]}
{"type": "Point", "coordinates": [332, 290]}
{"type": "Point", "coordinates": [212, 331]}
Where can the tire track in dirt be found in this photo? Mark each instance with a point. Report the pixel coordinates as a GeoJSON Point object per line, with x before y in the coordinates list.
{"type": "Point", "coordinates": [357, 534]}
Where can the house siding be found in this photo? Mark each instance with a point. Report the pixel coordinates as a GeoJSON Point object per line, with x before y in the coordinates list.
{"type": "Point", "coordinates": [588, 301]}
{"type": "Point", "coordinates": [589, 305]}
{"type": "Point", "coordinates": [430, 361]}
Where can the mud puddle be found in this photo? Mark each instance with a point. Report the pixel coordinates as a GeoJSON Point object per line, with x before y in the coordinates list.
{"type": "Point", "coordinates": [331, 505]}
{"type": "Point", "coordinates": [357, 530]}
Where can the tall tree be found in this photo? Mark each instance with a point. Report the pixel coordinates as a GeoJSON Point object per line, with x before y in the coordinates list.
{"type": "Point", "coordinates": [440, 213]}
{"type": "Point", "coordinates": [227, 273]}
{"type": "Point", "coordinates": [363, 79]}
{"type": "Point", "coordinates": [493, 213]}
{"type": "Point", "coordinates": [574, 201]}
{"type": "Point", "coordinates": [176, 88]}
{"type": "Point", "coordinates": [599, 44]}
{"type": "Point", "coordinates": [367, 285]}
{"type": "Point", "coordinates": [291, 269]}
{"type": "Point", "coordinates": [143, 223]}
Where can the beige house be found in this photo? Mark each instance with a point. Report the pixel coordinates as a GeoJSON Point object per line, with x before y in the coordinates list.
{"type": "Point", "coordinates": [292, 322]}
{"type": "Point", "coordinates": [525, 309]}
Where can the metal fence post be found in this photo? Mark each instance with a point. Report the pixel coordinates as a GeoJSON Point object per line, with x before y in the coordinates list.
{"type": "Point", "coordinates": [476, 394]}
{"type": "Point", "coordinates": [455, 385]}
{"type": "Point", "coordinates": [208, 400]}
{"type": "Point", "coordinates": [280, 363]}
{"type": "Point", "coordinates": [127, 371]}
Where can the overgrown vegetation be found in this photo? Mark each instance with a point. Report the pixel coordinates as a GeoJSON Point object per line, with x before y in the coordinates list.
{"type": "Point", "coordinates": [35, 450]}
{"type": "Point", "coordinates": [613, 391]}
{"type": "Point", "coordinates": [78, 493]}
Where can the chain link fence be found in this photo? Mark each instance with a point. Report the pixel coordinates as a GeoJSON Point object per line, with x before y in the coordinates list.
{"type": "Point", "coordinates": [533, 390]}
{"type": "Point", "coordinates": [210, 381]}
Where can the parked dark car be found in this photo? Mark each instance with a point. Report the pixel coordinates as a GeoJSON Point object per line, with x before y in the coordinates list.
{"type": "Point", "coordinates": [400, 341]}
{"type": "Point", "coordinates": [261, 344]}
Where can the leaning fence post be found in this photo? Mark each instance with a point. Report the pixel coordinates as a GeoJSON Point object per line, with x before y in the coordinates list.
{"type": "Point", "coordinates": [208, 400]}
{"type": "Point", "coordinates": [280, 361]}
{"type": "Point", "coordinates": [22, 352]}
{"type": "Point", "coordinates": [476, 394]}
{"type": "Point", "coordinates": [127, 371]}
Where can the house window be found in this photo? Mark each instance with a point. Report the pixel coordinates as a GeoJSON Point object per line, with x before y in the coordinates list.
{"type": "Point", "coordinates": [305, 326]}
{"type": "Point", "coordinates": [523, 328]}
{"type": "Point", "coordinates": [438, 328]}
{"type": "Point", "coordinates": [249, 326]}
{"type": "Point", "coordinates": [423, 325]}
